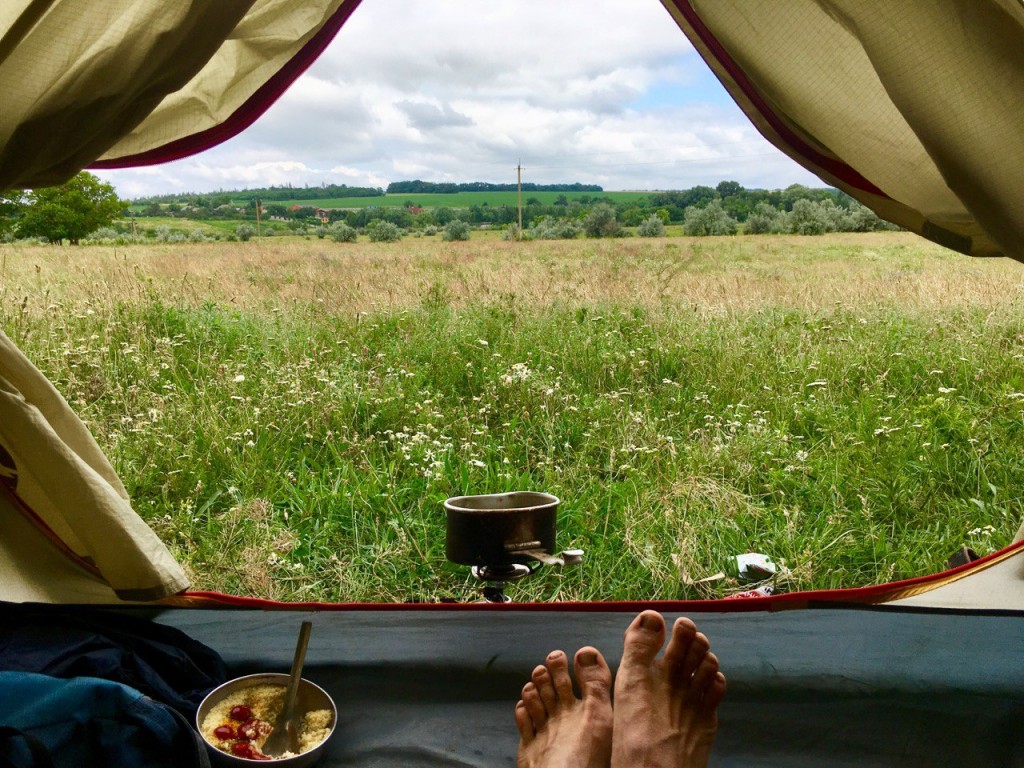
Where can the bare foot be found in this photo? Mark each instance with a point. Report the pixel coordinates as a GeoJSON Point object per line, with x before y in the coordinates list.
{"type": "Point", "coordinates": [665, 709]}
{"type": "Point", "coordinates": [558, 730]}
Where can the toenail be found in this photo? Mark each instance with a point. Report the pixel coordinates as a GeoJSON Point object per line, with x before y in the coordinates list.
{"type": "Point", "coordinates": [554, 655]}
{"type": "Point", "coordinates": [588, 659]}
{"type": "Point", "coordinates": [647, 621]}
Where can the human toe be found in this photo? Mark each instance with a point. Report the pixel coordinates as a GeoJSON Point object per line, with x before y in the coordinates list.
{"type": "Point", "coordinates": [534, 706]}
{"type": "Point", "coordinates": [558, 668]}
{"type": "Point", "coordinates": [593, 675]}
{"type": "Point", "coordinates": [524, 723]}
{"type": "Point", "coordinates": [684, 631]}
{"type": "Point", "coordinates": [644, 637]}
{"type": "Point", "coordinates": [695, 653]}
{"type": "Point", "coordinates": [715, 692]}
{"type": "Point", "coordinates": [541, 678]}
{"type": "Point", "coordinates": [704, 676]}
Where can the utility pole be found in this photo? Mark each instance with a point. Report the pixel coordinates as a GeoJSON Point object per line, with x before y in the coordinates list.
{"type": "Point", "coordinates": [259, 234]}
{"type": "Point", "coordinates": [519, 195]}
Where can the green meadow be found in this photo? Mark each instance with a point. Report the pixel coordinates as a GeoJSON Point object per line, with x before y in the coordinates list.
{"type": "Point", "coordinates": [289, 415]}
{"type": "Point", "coordinates": [456, 199]}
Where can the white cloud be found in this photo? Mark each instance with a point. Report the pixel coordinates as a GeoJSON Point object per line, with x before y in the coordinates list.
{"type": "Point", "coordinates": [578, 90]}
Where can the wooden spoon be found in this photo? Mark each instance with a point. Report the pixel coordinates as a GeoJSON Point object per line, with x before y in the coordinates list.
{"type": "Point", "coordinates": [285, 736]}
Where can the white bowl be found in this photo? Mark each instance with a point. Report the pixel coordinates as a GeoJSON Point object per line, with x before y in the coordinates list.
{"type": "Point", "coordinates": [310, 697]}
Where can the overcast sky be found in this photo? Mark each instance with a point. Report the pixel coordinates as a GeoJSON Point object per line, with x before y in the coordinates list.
{"type": "Point", "coordinates": [593, 91]}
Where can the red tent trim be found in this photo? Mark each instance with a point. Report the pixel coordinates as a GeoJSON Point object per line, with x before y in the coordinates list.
{"type": "Point", "coordinates": [250, 111]}
{"type": "Point", "coordinates": [835, 167]}
{"type": "Point", "coordinates": [872, 595]}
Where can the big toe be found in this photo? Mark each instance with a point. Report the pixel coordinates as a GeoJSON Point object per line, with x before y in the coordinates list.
{"type": "Point", "coordinates": [644, 637]}
{"type": "Point", "coordinates": [593, 675]}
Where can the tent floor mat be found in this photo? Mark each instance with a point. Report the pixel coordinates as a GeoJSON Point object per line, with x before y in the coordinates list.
{"type": "Point", "coordinates": [840, 687]}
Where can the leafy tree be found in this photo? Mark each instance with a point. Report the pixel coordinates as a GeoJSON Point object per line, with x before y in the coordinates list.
{"type": "Point", "coordinates": [808, 218]}
{"type": "Point", "coordinates": [70, 211]}
{"type": "Point", "coordinates": [633, 215]}
{"type": "Point", "coordinates": [11, 207]}
{"type": "Point", "coordinates": [699, 195]}
{"type": "Point", "coordinates": [709, 220]}
{"type": "Point", "coordinates": [601, 222]}
{"type": "Point", "coordinates": [442, 215]}
{"type": "Point", "coordinates": [863, 219]}
{"type": "Point", "coordinates": [652, 227]}
{"type": "Point", "coordinates": [380, 231]}
{"type": "Point", "coordinates": [728, 188]}
{"type": "Point", "coordinates": [455, 230]}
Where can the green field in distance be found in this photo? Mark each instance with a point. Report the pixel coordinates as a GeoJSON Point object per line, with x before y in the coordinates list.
{"type": "Point", "coordinates": [452, 200]}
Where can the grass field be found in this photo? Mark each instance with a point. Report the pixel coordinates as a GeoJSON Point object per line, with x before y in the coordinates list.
{"type": "Point", "coordinates": [455, 199]}
{"type": "Point", "coordinates": [290, 416]}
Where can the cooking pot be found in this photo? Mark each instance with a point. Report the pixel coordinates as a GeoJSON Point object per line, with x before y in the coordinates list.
{"type": "Point", "coordinates": [498, 529]}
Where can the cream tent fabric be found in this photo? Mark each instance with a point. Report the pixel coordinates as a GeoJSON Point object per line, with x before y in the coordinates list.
{"type": "Point", "coordinates": [51, 463]}
{"type": "Point", "coordinates": [912, 107]}
{"type": "Point", "coordinates": [86, 81]}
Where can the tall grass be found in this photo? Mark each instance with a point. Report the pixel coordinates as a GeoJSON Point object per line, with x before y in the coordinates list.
{"type": "Point", "coordinates": [289, 417]}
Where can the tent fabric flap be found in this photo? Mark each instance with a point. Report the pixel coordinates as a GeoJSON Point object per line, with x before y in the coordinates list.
{"type": "Point", "coordinates": [89, 81]}
{"type": "Point", "coordinates": [913, 108]}
{"type": "Point", "coordinates": [56, 473]}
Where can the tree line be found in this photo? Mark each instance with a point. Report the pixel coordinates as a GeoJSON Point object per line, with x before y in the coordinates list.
{"type": "Point", "coordinates": [264, 194]}
{"type": "Point", "coordinates": [431, 187]}
{"type": "Point", "coordinates": [84, 205]}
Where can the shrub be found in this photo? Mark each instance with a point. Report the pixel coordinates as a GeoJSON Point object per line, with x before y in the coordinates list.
{"type": "Point", "coordinates": [456, 229]}
{"type": "Point", "coordinates": [245, 232]}
{"type": "Point", "coordinates": [808, 218]}
{"type": "Point", "coordinates": [430, 230]}
{"type": "Point", "coordinates": [712, 219]}
{"type": "Point", "coordinates": [197, 236]}
{"type": "Point", "coordinates": [651, 227]}
{"type": "Point", "coordinates": [550, 229]}
{"type": "Point", "coordinates": [321, 231]}
{"type": "Point", "coordinates": [343, 233]}
{"type": "Point", "coordinates": [863, 219]}
{"type": "Point", "coordinates": [763, 220]}
{"type": "Point", "coordinates": [168, 235]}
{"type": "Point", "coordinates": [601, 222]}
{"type": "Point", "coordinates": [381, 231]}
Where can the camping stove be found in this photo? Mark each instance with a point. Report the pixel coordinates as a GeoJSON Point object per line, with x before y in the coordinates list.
{"type": "Point", "coordinates": [505, 537]}
{"type": "Point", "coordinates": [495, 577]}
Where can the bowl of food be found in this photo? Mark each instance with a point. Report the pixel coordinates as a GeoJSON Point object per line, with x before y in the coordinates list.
{"type": "Point", "coordinates": [236, 719]}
